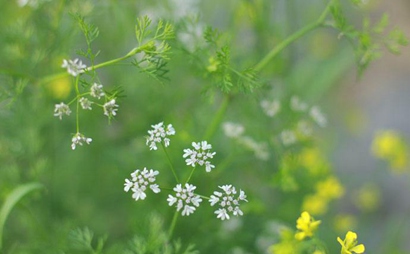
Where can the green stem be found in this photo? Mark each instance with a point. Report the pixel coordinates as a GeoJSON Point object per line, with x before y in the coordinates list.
{"type": "Point", "coordinates": [217, 118]}
{"type": "Point", "coordinates": [134, 51]}
{"type": "Point", "coordinates": [78, 104]}
{"type": "Point", "coordinates": [172, 226]}
{"type": "Point", "coordinates": [276, 50]}
{"type": "Point", "coordinates": [170, 163]}
{"type": "Point", "coordinates": [190, 175]}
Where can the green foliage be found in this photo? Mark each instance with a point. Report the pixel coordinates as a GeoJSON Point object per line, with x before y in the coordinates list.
{"type": "Point", "coordinates": [91, 33]}
{"type": "Point", "coordinates": [82, 240]}
{"type": "Point", "coordinates": [12, 199]}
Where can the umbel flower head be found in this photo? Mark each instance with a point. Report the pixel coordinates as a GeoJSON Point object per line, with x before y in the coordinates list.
{"type": "Point", "coordinates": [97, 91]}
{"type": "Point", "coordinates": [228, 203]}
{"type": "Point", "coordinates": [74, 67]}
{"type": "Point", "coordinates": [61, 109]}
{"type": "Point", "coordinates": [349, 244]}
{"type": "Point", "coordinates": [199, 155]}
{"type": "Point", "coordinates": [110, 108]}
{"type": "Point", "coordinates": [79, 139]}
{"type": "Point", "coordinates": [185, 199]}
{"type": "Point", "coordinates": [85, 103]}
{"type": "Point", "coordinates": [140, 182]}
{"type": "Point", "coordinates": [159, 134]}
{"type": "Point", "coordinates": [306, 226]}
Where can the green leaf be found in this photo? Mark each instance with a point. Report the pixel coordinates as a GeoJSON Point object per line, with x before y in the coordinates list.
{"type": "Point", "coordinates": [383, 23]}
{"type": "Point", "coordinates": [12, 199]}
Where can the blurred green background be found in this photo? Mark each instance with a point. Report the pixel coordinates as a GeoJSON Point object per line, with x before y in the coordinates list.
{"type": "Point", "coordinates": [84, 187]}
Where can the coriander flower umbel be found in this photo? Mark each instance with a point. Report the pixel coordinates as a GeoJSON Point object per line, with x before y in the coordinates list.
{"type": "Point", "coordinates": [159, 134]}
{"type": "Point", "coordinates": [199, 155]}
{"type": "Point", "coordinates": [79, 139]}
{"type": "Point", "coordinates": [61, 109]}
{"type": "Point", "coordinates": [318, 116]}
{"type": "Point", "coordinates": [140, 182]}
{"type": "Point", "coordinates": [233, 130]}
{"type": "Point", "coordinates": [110, 108]}
{"type": "Point", "coordinates": [74, 67]}
{"type": "Point", "coordinates": [85, 103]}
{"type": "Point", "coordinates": [97, 91]}
{"type": "Point", "coordinates": [184, 199]}
{"type": "Point", "coordinates": [227, 201]}
{"type": "Point", "coordinates": [271, 108]}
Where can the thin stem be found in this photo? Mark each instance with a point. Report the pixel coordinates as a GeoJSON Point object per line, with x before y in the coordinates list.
{"type": "Point", "coordinates": [190, 175]}
{"type": "Point", "coordinates": [276, 50]}
{"type": "Point", "coordinates": [170, 162]}
{"type": "Point", "coordinates": [110, 62]}
{"type": "Point", "coordinates": [77, 91]}
{"type": "Point", "coordinates": [172, 226]}
{"type": "Point", "coordinates": [217, 118]}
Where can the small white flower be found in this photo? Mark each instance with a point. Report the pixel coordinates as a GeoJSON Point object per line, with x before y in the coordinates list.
{"type": "Point", "coordinates": [228, 201]}
{"type": "Point", "coordinates": [61, 109]}
{"type": "Point", "coordinates": [271, 108]}
{"type": "Point", "coordinates": [288, 137]}
{"type": "Point", "coordinates": [233, 130]}
{"type": "Point", "coordinates": [305, 128]}
{"type": "Point", "coordinates": [110, 108]}
{"type": "Point", "coordinates": [140, 181]}
{"type": "Point", "coordinates": [159, 134]}
{"type": "Point", "coordinates": [97, 91]}
{"type": "Point", "coordinates": [318, 116]}
{"type": "Point", "coordinates": [74, 67]}
{"type": "Point", "coordinates": [85, 103]}
{"type": "Point", "coordinates": [297, 105]}
{"type": "Point", "coordinates": [185, 199]}
{"type": "Point", "coordinates": [259, 149]}
{"type": "Point", "coordinates": [199, 155]}
{"type": "Point", "coordinates": [79, 139]}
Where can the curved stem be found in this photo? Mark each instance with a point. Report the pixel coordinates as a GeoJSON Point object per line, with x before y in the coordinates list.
{"type": "Point", "coordinates": [170, 163]}
{"type": "Point", "coordinates": [110, 62]}
{"type": "Point", "coordinates": [276, 50]}
{"type": "Point", "coordinates": [172, 226]}
{"type": "Point", "coordinates": [217, 118]}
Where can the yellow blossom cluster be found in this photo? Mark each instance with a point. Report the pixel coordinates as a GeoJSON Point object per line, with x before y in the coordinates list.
{"type": "Point", "coordinates": [390, 146]}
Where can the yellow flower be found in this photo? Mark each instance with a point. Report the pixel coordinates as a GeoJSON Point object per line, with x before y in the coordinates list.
{"type": "Point", "coordinates": [344, 222]}
{"type": "Point", "coordinates": [315, 204]}
{"type": "Point", "coordinates": [349, 244]}
{"type": "Point", "coordinates": [330, 188]}
{"type": "Point", "coordinates": [306, 226]}
{"type": "Point", "coordinates": [367, 198]}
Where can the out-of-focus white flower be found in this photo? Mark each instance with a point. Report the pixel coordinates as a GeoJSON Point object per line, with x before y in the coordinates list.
{"type": "Point", "coordinates": [297, 105]}
{"type": "Point", "coordinates": [288, 137]}
{"type": "Point", "coordinates": [79, 139]}
{"type": "Point", "coordinates": [159, 134]}
{"type": "Point", "coordinates": [85, 103]}
{"type": "Point", "coordinates": [260, 149]}
{"type": "Point", "coordinates": [304, 128]}
{"type": "Point", "coordinates": [233, 130]}
{"type": "Point", "coordinates": [140, 181]}
{"type": "Point", "coordinates": [61, 109]}
{"type": "Point", "coordinates": [271, 108]}
{"type": "Point", "coordinates": [97, 91]}
{"type": "Point", "coordinates": [110, 108]}
{"type": "Point", "coordinates": [74, 67]}
{"type": "Point", "coordinates": [199, 155]}
{"type": "Point", "coordinates": [318, 116]}
{"type": "Point", "coordinates": [185, 199]}
{"type": "Point", "coordinates": [228, 203]}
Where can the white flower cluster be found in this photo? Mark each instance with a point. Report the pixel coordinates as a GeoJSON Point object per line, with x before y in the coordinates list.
{"type": "Point", "coordinates": [61, 109]}
{"type": "Point", "coordinates": [288, 137]}
{"type": "Point", "coordinates": [140, 181]}
{"type": "Point", "coordinates": [235, 131]}
{"type": "Point", "coordinates": [74, 67]}
{"type": "Point", "coordinates": [159, 134]}
{"type": "Point", "coordinates": [228, 203]}
{"type": "Point", "coordinates": [271, 108]}
{"type": "Point", "coordinates": [97, 91]}
{"type": "Point", "coordinates": [79, 139]}
{"type": "Point", "coordinates": [185, 199]}
{"type": "Point", "coordinates": [199, 155]}
{"type": "Point", "coordinates": [110, 108]}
